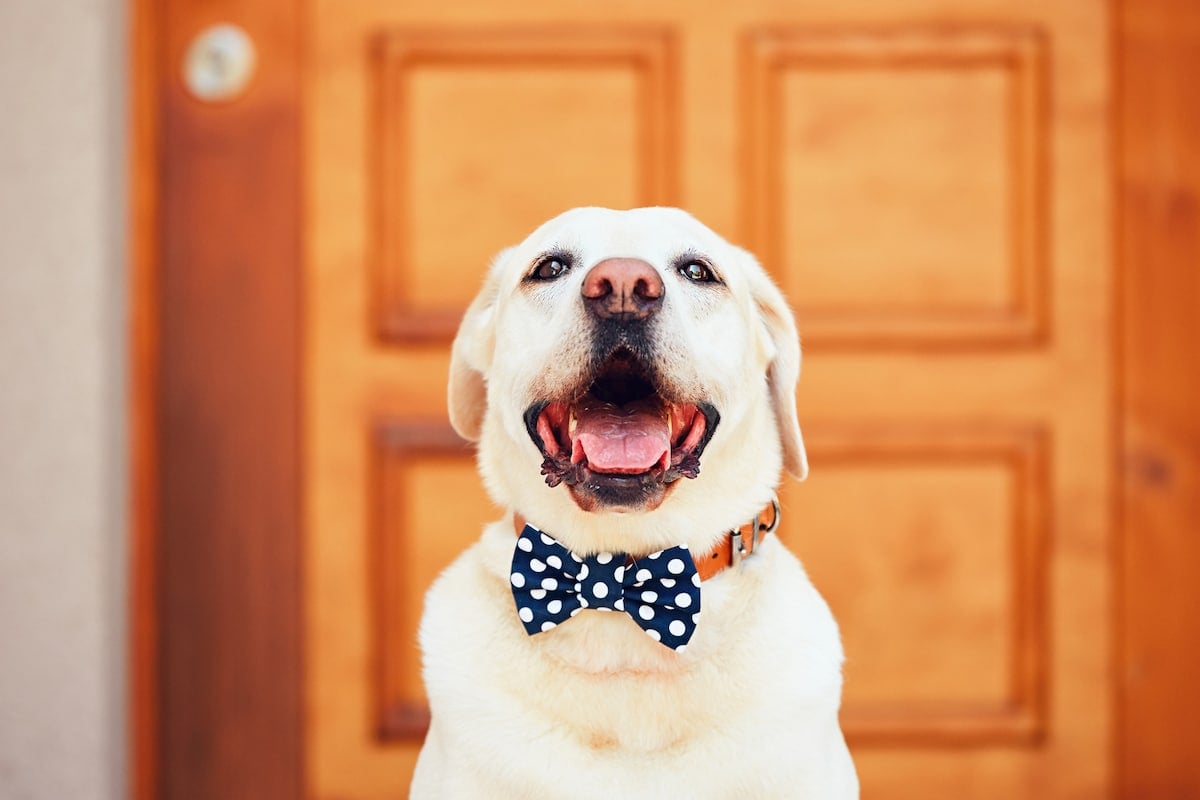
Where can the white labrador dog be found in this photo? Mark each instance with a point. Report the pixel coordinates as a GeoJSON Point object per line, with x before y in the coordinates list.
{"type": "Point", "coordinates": [629, 377]}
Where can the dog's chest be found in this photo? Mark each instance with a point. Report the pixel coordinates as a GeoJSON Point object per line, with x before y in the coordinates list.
{"type": "Point", "coordinates": [606, 686]}
{"type": "Point", "coordinates": [603, 680]}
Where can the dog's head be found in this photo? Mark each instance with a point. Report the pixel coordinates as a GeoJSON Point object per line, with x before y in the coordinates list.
{"type": "Point", "coordinates": [631, 366]}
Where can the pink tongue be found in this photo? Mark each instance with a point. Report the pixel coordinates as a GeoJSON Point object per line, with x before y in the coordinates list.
{"type": "Point", "coordinates": [630, 438]}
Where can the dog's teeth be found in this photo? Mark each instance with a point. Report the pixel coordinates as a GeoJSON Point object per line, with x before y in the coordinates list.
{"type": "Point", "coordinates": [572, 422]}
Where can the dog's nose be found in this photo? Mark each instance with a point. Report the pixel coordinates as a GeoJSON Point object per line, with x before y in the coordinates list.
{"type": "Point", "coordinates": [622, 288]}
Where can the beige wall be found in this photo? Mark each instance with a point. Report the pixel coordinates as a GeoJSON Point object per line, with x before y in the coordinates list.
{"type": "Point", "coordinates": [62, 462]}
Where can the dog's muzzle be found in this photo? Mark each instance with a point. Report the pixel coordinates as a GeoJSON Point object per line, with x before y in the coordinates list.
{"type": "Point", "coordinates": [618, 439]}
{"type": "Point", "coordinates": [620, 443]}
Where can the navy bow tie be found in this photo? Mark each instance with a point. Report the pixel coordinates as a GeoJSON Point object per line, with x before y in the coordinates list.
{"type": "Point", "coordinates": [661, 591]}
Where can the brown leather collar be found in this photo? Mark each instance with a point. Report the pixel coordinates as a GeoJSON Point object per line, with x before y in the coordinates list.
{"type": "Point", "coordinates": [733, 547]}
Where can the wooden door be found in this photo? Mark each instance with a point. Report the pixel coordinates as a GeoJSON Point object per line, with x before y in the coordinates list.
{"type": "Point", "coordinates": [927, 181]}
{"type": "Point", "coordinates": [223, 705]}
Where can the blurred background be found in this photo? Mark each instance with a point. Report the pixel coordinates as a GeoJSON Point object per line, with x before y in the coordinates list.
{"type": "Point", "coordinates": [236, 237]}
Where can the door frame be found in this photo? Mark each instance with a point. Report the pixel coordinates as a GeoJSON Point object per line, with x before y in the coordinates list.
{"type": "Point", "coordinates": [1157, 229]}
{"type": "Point", "coordinates": [216, 653]}
{"type": "Point", "coordinates": [215, 397]}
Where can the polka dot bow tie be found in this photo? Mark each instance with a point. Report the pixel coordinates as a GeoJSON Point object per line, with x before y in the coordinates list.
{"type": "Point", "coordinates": [550, 584]}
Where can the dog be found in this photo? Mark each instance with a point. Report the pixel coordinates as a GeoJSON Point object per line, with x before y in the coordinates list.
{"type": "Point", "coordinates": [631, 628]}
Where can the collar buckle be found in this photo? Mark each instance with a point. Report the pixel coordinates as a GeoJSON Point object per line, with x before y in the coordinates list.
{"type": "Point", "coordinates": [758, 530]}
{"type": "Point", "coordinates": [737, 550]}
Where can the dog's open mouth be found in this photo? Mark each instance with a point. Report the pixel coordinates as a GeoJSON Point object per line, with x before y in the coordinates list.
{"type": "Point", "coordinates": [621, 443]}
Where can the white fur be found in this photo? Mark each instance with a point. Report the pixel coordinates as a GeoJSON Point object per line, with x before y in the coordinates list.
{"type": "Point", "coordinates": [595, 708]}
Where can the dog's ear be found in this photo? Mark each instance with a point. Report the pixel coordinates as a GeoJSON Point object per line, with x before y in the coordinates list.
{"type": "Point", "coordinates": [782, 345]}
{"type": "Point", "coordinates": [471, 357]}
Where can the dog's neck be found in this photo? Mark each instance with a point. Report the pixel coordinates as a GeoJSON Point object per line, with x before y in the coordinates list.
{"type": "Point", "coordinates": [734, 546]}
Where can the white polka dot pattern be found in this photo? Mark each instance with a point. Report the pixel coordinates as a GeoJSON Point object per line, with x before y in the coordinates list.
{"type": "Point", "coordinates": [550, 584]}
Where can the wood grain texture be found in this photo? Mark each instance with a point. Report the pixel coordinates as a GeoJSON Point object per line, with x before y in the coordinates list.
{"type": "Point", "coordinates": [398, 447]}
{"type": "Point", "coordinates": [1013, 588]}
{"type": "Point", "coordinates": [142, 681]}
{"type": "Point", "coordinates": [1158, 159]}
{"type": "Point", "coordinates": [228, 371]}
{"type": "Point", "coordinates": [956, 217]}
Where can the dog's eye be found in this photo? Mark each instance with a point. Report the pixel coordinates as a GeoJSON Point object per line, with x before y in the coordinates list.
{"type": "Point", "coordinates": [550, 267]}
{"type": "Point", "coordinates": [697, 272]}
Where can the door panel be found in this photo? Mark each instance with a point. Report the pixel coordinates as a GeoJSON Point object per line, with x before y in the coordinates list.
{"type": "Point", "coordinates": [942, 601]}
{"type": "Point", "coordinates": [930, 138]}
{"type": "Point", "coordinates": [463, 113]}
{"type": "Point", "coordinates": [930, 188]}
